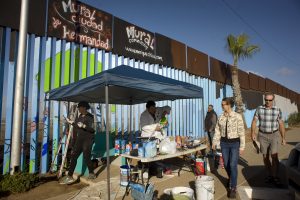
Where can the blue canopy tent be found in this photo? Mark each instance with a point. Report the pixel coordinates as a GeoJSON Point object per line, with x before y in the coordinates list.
{"type": "Point", "coordinates": [127, 86]}
{"type": "Point", "coordinates": [124, 85]}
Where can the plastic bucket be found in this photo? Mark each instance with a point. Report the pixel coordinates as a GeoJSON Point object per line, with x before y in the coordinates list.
{"type": "Point", "coordinates": [205, 188]}
{"type": "Point", "coordinates": [168, 191]}
{"type": "Point", "coordinates": [139, 193]}
{"type": "Point", "coordinates": [182, 191]}
{"type": "Point", "coordinates": [199, 166]}
{"type": "Point", "coordinates": [124, 174]}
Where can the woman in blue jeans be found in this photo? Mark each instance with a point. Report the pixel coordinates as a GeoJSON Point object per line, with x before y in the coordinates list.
{"type": "Point", "coordinates": [230, 135]}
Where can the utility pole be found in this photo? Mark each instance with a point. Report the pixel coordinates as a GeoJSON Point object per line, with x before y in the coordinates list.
{"type": "Point", "coordinates": [19, 90]}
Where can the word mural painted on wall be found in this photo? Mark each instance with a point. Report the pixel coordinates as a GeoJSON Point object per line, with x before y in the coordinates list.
{"type": "Point", "coordinates": [78, 22]}
{"type": "Point", "coordinates": [134, 41]}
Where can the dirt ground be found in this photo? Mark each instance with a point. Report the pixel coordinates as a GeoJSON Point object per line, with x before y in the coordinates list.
{"type": "Point", "coordinates": [45, 191]}
{"type": "Point", "coordinates": [53, 188]}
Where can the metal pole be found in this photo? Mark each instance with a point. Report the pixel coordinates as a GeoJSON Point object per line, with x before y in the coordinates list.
{"type": "Point", "coordinates": [203, 113]}
{"type": "Point", "coordinates": [130, 121]}
{"type": "Point", "coordinates": [19, 90]}
{"type": "Point", "coordinates": [107, 143]}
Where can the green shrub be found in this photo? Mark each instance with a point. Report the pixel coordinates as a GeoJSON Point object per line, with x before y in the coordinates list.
{"type": "Point", "coordinates": [294, 119]}
{"type": "Point", "coordinates": [17, 183]}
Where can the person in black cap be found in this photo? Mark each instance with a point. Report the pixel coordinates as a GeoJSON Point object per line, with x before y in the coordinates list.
{"type": "Point", "coordinates": [84, 128]}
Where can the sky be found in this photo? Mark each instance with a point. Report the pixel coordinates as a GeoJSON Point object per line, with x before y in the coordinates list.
{"type": "Point", "coordinates": [273, 25]}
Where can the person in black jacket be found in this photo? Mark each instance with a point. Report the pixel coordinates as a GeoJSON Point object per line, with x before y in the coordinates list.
{"type": "Point", "coordinates": [84, 128]}
{"type": "Point", "coordinates": [210, 123]}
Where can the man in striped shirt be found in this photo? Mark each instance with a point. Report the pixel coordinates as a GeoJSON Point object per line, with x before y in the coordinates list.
{"type": "Point", "coordinates": [270, 124]}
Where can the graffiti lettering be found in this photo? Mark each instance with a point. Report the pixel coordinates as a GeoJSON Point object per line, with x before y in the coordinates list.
{"type": "Point", "coordinates": [141, 37]}
{"type": "Point", "coordinates": [81, 9]}
{"type": "Point", "coordinates": [33, 144]}
{"type": "Point", "coordinates": [70, 6]}
{"type": "Point", "coordinates": [7, 146]}
{"type": "Point", "coordinates": [87, 23]}
{"type": "Point", "coordinates": [75, 21]}
{"type": "Point", "coordinates": [144, 54]}
{"type": "Point", "coordinates": [56, 22]}
{"type": "Point", "coordinates": [54, 143]}
{"type": "Point", "coordinates": [84, 39]}
{"type": "Point", "coordinates": [46, 127]}
{"type": "Point", "coordinates": [45, 149]}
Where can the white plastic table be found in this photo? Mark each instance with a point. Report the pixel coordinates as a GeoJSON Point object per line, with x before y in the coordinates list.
{"type": "Point", "coordinates": [179, 153]}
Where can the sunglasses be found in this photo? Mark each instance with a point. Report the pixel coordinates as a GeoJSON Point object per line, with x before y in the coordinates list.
{"type": "Point", "coordinates": [268, 99]}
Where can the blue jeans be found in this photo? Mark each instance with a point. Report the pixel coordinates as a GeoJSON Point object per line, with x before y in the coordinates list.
{"type": "Point", "coordinates": [230, 153]}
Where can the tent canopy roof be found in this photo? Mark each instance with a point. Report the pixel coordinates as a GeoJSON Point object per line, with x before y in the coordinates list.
{"type": "Point", "coordinates": [127, 85]}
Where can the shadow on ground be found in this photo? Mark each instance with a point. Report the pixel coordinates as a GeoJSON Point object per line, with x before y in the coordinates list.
{"type": "Point", "coordinates": [293, 143]}
{"type": "Point", "coordinates": [258, 180]}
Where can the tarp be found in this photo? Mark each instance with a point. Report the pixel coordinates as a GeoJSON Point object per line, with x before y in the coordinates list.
{"type": "Point", "coordinates": [127, 85]}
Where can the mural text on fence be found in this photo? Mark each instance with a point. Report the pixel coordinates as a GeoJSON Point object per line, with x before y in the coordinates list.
{"type": "Point", "coordinates": [134, 42]}
{"type": "Point", "coordinates": [77, 22]}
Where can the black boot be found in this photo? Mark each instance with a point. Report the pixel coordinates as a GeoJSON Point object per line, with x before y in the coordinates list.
{"type": "Point", "coordinates": [232, 193]}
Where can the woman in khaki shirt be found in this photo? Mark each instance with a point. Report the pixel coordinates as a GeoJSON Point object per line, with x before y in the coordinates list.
{"type": "Point", "coordinates": [230, 134]}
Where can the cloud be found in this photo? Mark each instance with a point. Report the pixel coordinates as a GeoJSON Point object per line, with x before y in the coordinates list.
{"type": "Point", "coordinates": [284, 71]}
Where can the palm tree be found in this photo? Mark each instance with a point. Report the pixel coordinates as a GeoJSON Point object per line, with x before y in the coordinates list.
{"type": "Point", "coordinates": [239, 48]}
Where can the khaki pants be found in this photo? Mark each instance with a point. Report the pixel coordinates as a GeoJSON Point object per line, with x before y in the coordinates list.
{"type": "Point", "coordinates": [268, 142]}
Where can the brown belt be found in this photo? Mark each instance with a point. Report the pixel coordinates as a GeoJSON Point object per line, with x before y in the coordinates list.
{"type": "Point", "coordinates": [268, 132]}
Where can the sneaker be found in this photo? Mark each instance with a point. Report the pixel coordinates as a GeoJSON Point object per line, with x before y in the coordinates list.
{"type": "Point", "coordinates": [232, 193]}
{"type": "Point", "coordinates": [92, 176]}
{"type": "Point", "coordinates": [67, 180]}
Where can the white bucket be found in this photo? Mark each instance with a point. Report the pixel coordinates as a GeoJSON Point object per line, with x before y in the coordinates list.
{"type": "Point", "coordinates": [124, 174]}
{"type": "Point", "coordinates": [168, 191]}
{"type": "Point", "coordinates": [185, 191]}
{"type": "Point", "coordinates": [205, 188]}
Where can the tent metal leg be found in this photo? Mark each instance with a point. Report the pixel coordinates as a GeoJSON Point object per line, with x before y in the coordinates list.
{"type": "Point", "coordinates": [130, 126]}
{"type": "Point", "coordinates": [107, 143]}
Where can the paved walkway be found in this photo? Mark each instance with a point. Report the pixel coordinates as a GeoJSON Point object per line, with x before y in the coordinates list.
{"type": "Point", "coordinates": [250, 173]}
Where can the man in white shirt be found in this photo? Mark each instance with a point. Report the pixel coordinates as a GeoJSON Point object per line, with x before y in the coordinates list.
{"type": "Point", "coordinates": [150, 118]}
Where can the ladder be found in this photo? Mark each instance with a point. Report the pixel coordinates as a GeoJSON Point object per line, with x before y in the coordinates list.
{"type": "Point", "coordinates": [72, 115]}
